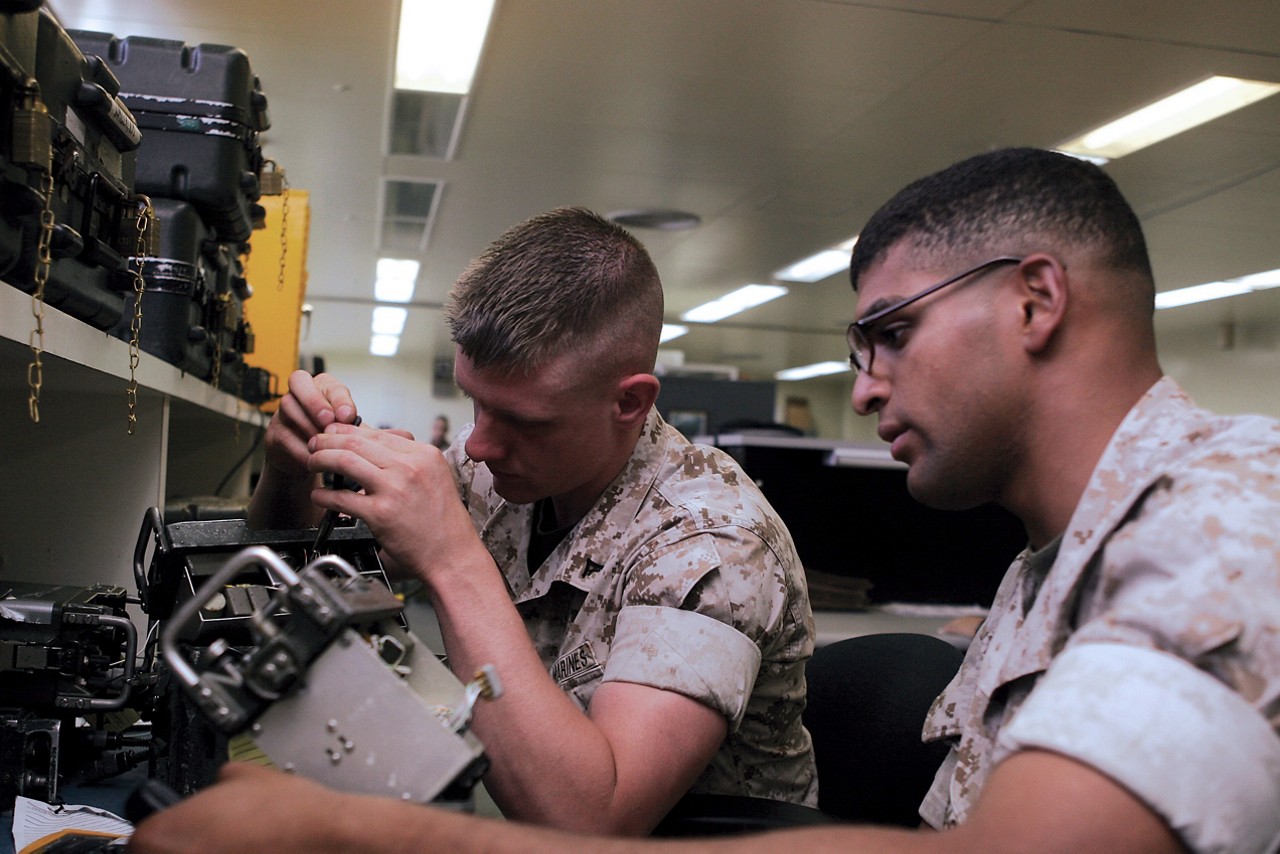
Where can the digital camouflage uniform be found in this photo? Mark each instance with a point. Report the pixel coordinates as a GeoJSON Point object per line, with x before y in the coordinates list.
{"type": "Point", "coordinates": [681, 576]}
{"type": "Point", "coordinates": [1150, 648]}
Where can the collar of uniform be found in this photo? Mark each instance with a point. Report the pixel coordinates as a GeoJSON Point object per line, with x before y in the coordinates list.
{"type": "Point", "coordinates": [585, 558]}
{"type": "Point", "coordinates": [1123, 473]}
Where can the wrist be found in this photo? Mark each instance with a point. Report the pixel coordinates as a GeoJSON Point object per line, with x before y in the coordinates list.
{"type": "Point", "coordinates": [282, 499]}
{"type": "Point", "coordinates": [466, 574]}
{"type": "Point", "coordinates": [288, 476]}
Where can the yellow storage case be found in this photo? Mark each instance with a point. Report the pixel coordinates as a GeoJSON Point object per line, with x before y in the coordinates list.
{"type": "Point", "coordinates": [275, 309]}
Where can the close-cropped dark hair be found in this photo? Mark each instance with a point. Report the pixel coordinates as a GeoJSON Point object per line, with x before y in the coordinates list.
{"type": "Point", "coordinates": [999, 201]}
{"type": "Point", "coordinates": [565, 280]}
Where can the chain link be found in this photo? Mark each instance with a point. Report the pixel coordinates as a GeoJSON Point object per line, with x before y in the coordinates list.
{"type": "Point", "coordinates": [219, 319]}
{"type": "Point", "coordinates": [146, 218]}
{"type": "Point", "coordinates": [240, 396]}
{"type": "Point", "coordinates": [284, 229]}
{"type": "Point", "coordinates": [44, 260]}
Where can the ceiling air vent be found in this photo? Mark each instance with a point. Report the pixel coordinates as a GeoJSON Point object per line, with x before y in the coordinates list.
{"type": "Point", "coordinates": [662, 220]}
{"type": "Point", "coordinates": [425, 124]}
{"type": "Point", "coordinates": [407, 211]}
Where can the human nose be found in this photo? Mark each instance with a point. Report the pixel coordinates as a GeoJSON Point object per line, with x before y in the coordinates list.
{"type": "Point", "coordinates": [869, 392]}
{"type": "Point", "coordinates": [484, 444]}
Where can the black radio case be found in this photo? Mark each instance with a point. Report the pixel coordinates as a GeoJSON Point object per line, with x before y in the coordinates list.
{"type": "Point", "coordinates": [200, 109]}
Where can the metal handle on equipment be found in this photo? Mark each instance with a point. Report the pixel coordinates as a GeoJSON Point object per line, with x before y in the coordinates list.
{"type": "Point", "coordinates": [106, 704]}
{"type": "Point", "coordinates": [186, 614]}
{"type": "Point", "coordinates": [251, 556]}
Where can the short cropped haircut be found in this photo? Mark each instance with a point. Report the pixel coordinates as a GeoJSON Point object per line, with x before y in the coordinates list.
{"type": "Point", "coordinates": [1002, 202]}
{"type": "Point", "coordinates": [564, 281]}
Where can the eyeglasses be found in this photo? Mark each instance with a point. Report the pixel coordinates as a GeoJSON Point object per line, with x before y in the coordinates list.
{"type": "Point", "coordinates": [862, 350]}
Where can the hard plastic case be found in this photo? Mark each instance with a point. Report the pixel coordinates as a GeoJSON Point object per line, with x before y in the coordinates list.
{"type": "Point", "coordinates": [177, 291]}
{"type": "Point", "coordinates": [19, 204]}
{"type": "Point", "coordinates": [200, 109]}
{"type": "Point", "coordinates": [90, 140]}
{"type": "Point", "coordinates": [193, 301]}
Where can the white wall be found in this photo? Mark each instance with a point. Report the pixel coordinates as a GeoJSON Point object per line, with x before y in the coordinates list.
{"type": "Point", "coordinates": [1229, 371]}
{"type": "Point", "coordinates": [1242, 378]}
{"type": "Point", "coordinates": [398, 392]}
{"type": "Point", "coordinates": [829, 404]}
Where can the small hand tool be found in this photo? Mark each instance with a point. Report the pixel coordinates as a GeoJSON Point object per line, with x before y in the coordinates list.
{"type": "Point", "coordinates": [330, 516]}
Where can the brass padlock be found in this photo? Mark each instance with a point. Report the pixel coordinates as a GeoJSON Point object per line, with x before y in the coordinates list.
{"type": "Point", "coordinates": [139, 232]}
{"type": "Point", "coordinates": [271, 183]}
{"type": "Point", "coordinates": [225, 314]}
{"type": "Point", "coordinates": [33, 133]}
{"type": "Point", "coordinates": [151, 238]}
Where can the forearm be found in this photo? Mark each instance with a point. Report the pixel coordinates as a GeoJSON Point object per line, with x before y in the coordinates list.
{"type": "Point", "coordinates": [413, 829]}
{"type": "Point", "coordinates": [550, 763]}
{"type": "Point", "coordinates": [393, 827]}
{"type": "Point", "coordinates": [251, 808]}
{"type": "Point", "coordinates": [280, 501]}
{"type": "Point", "coordinates": [841, 838]}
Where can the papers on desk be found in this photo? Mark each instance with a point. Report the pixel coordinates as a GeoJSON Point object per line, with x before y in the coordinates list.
{"type": "Point", "coordinates": [957, 631]}
{"type": "Point", "coordinates": [913, 609]}
{"type": "Point", "coordinates": [37, 825]}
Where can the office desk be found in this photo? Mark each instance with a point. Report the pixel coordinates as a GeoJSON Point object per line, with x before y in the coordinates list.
{"type": "Point", "coordinates": [109, 795]}
{"type": "Point", "coordinates": [833, 626]}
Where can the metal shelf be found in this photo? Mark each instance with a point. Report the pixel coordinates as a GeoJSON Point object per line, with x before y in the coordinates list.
{"type": "Point", "coordinates": [104, 358]}
{"type": "Point", "coordinates": [78, 483]}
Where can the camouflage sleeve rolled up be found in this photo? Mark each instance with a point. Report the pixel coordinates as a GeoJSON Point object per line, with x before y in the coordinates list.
{"type": "Point", "coordinates": [681, 577]}
{"type": "Point", "coordinates": [714, 606]}
{"type": "Point", "coordinates": [1151, 650]}
{"type": "Point", "coordinates": [685, 652]}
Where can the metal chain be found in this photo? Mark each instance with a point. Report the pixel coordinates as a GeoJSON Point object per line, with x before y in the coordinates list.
{"type": "Point", "coordinates": [146, 216]}
{"type": "Point", "coordinates": [284, 228]}
{"type": "Point", "coordinates": [240, 396]}
{"type": "Point", "coordinates": [241, 368]}
{"type": "Point", "coordinates": [44, 259]}
{"type": "Point", "coordinates": [219, 307]}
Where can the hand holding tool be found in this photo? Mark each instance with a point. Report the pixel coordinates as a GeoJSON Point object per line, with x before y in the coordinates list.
{"type": "Point", "coordinates": [331, 516]}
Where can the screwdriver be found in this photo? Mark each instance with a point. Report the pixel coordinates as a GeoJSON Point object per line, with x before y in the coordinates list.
{"type": "Point", "coordinates": [330, 516]}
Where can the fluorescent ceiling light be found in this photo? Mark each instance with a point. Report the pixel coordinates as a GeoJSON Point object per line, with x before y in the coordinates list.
{"type": "Point", "coordinates": [1179, 112]}
{"type": "Point", "coordinates": [394, 280]}
{"type": "Point", "coordinates": [388, 320]}
{"type": "Point", "coordinates": [733, 302]}
{"type": "Point", "coordinates": [818, 369]}
{"type": "Point", "coordinates": [819, 265]}
{"type": "Point", "coordinates": [1199, 293]}
{"type": "Point", "coordinates": [1218, 290]}
{"type": "Point", "coordinates": [1096, 161]}
{"type": "Point", "coordinates": [875, 457]}
{"type": "Point", "coordinates": [439, 44]}
{"type": "Point", "coordinates": [816, 267]}
{"type": "Point", "coordinates": [1261, 281]}
{"type": "Point", "coordinates": [671, 331]}
{"type": "Point", "coordinates": [384, 345]}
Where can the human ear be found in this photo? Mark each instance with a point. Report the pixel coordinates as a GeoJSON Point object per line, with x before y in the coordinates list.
{"type": "Point", "coordinates": [635, 397]}
{"type": "Point", "coordinates": [1042, 299]}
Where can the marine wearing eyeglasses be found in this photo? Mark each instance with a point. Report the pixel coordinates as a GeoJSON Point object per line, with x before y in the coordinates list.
{"type": "Point", "coordinates": [863, 333]}
{"type": "Point", "coordinates": [1122, 693]}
